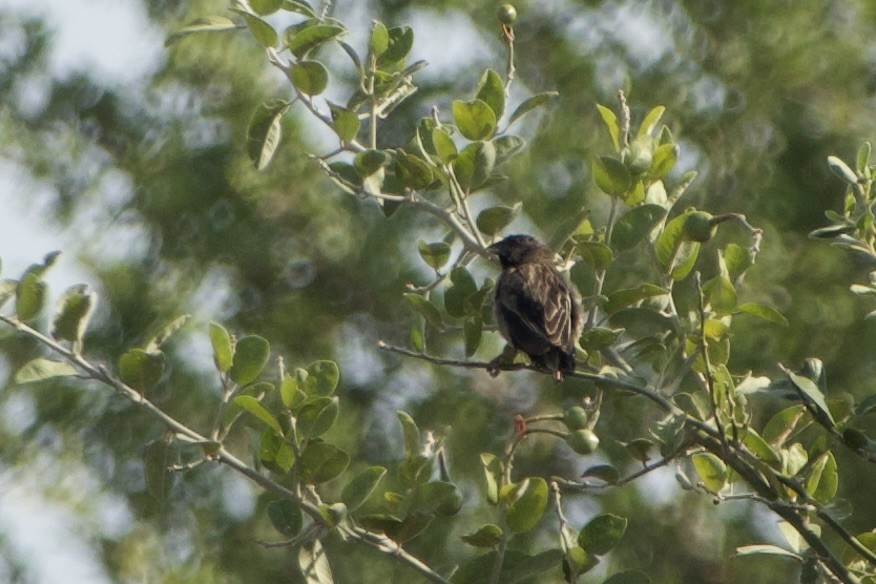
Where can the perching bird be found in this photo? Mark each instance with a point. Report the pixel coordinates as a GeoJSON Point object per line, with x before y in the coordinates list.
{"type": "Point", "coordinates": [536, 310]}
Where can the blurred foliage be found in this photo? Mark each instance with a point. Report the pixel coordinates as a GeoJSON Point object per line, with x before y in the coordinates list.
{"type": "Point", "coordinates": [170, 216]}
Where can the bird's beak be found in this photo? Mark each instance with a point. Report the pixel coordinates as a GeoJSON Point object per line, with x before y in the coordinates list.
{"type": "Point", "coordinates": [494, 249]}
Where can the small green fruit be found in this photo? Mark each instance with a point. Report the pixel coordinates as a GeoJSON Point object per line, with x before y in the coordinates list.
{"type": "Point", "coordinates": [507, 14]}
{"type": "Point", "coordinates": [583, 441]}
{"type": "Point", "coordinates": [576, 418]}
{"type": "Point", "coordinates": [698, 226]}
{"type": "Point", "coordinates": [451, 505]}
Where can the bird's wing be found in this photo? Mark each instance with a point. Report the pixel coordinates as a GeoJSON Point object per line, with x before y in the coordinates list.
{"type": "Point", "coordinates": [538, 307]}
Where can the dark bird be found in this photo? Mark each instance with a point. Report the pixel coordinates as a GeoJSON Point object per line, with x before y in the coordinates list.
{"type": "Point", "coordinates": [537, 311]}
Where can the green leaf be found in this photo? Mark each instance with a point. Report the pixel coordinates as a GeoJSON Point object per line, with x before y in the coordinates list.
{"type": "Point", "coordinates": [760, 447]}
{"type": "Point", "coordinates": [474, 119]}
{"type": "Point", "coordinates": [313, 563]}
{"type": "Point", "coordinates": [30, 296]}
{"type": "Point", "coordinates": [628, 577]}
{"type": "Point", "coordinates": [261, 31]}
{"type": "Point", "coordinates": [862, 160]}
{"type": "Point", "coordinates": [275, 453]}
{"type": "Point", "coordinates": [507, 147]}
{"type": "Point", "coordinates": [763, 312]}
{"type": "Point", "coordinates": [434, 254]}
{"type": "Point", "coordinates": [810, 393]}
{"type": "Point", "coordinates": [265, 7]}
{"type": "Point", "coordinates": [440, 497]}
{"type": "Point", "coordinates": [42, 368]}
{"type": "Point", "coordinates": [662, 161]}
{"type": "Point", "coordinates": [411, 434]}
{"type": "Point", "coordinates": [223, 352]}
{"type": "Point", "coordinates": [711, 470]}
{"type": "Point", "coordinates": [444, 145]}
{"type": "Point", "coordinates": [463, 288]}
{"type": "Point", "coordinates": [401, 40]}
{"type": "Point", "coordinates": [413, 172]}
{"type": "Point", "coordinates": [74, 310]}
{"type": "Point", "coordinates": [611, 176]}
{"type": "Point", "coordinates": [737, 261]}
{"type": "Point", "coordinates": [322, 378]}
{"type": "Point", "coordinates": [299, 6]}
{"type": "Point", "coordinates": [626, 297]}
{"type": "Point", "coordinates": [635, 225]}
{"type": "Point", "coordinates": [610, 120]}
{"type": "Point", "coordinates": [199, 25]}
{"type": "Point", "coordinates": [250, 357]}
{"type": "Point", "coordinates": [472, 329]}
{"type": "Point", "coordinates": [823, 480]}
{"type": "Point", "coordinates": [264, 132]}
{"type": "Point", "coordinates": [602, 533]}
{"type": "Point", "coordinates": [493, 220]}
{"type": "Point", "coordinates": [603, 472]}
{"type": "Point", "coordinates": [531, 103]}
{"type": "Point", "coordinates": [639, 449]}
{"type": "Point", "coordinates": [839, 168]}
{"type": "Point", "coordinates": [321, 462]}
{"type": "Point", "coordinates": [832, 231]}
{"type": "Point", "coordinates": [379, 40]}
{"type": "Point", "coordinates": [424, 307]}
{"type": "Point", "coordinates": [141, 370]}
{"type": "Point", "coordinates": [598, 255]}
{"type": "Point", "coordinates": [309, 77]}
{"type": "Point", "coordinates": [492, 468]}
{"type": "Point", "coordinates": [7, 290]}
{"type": "Point", "coordinates": [720, 294]}
{"type": "Point", "coordinates": [159, 478]}
{"type": "Point", "coordinates": [290, 393]}
{"type": "Point", "coordinates": [491, 91]}
{"type": "Point", "coordinates": [652, 118]}
{"type": "Point", "coordinates": [316, 417]}
{"type": "Point", "coordinates": [369, 162]}
{"type": "Point", "coordinates": [302, 41]}
{"type": "Point", "coordinates": [765, 549]}
{"type": "Point", "coordinates": [526, 511]}
{"type": "Point", "coordinates": [666, 246]}
{"type": "Point", "coordinates": [345, 123]}
{"type": "Point", "coordinates": [782, 424]}
{"type": "Point", "coordinates": [685, 260]}
{"type": "Point", "coordinates": [489, 535]}
{"type": "Point", "coordinates": [361, 486]}
{"type": "Point", "coordinates": [254, 406]}
{"type": "Point", "coordinates": [521, 567]}
{"type": "Point", "coordinates": [285, 516]}
{"type": "Point", "coordinates": [163, 332]}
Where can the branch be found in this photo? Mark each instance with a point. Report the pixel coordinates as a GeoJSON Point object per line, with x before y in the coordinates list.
{"type": "Point", "coordinates": [223, 456]}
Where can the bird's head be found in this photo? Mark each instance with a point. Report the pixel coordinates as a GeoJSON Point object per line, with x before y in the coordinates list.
{"type": "Point", "coordinates": [515, 250]}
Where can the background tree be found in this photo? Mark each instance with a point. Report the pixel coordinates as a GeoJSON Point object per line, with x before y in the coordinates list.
{"type": "Point", "coordinates": [755, 99]}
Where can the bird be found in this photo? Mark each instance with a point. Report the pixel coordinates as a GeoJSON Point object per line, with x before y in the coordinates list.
{"type": "Point", "coordinates": [536, 310]}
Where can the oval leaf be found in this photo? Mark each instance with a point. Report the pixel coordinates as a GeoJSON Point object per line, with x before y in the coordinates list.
{"type": "Point", "coordinates": [261, 31]}
{"type": "Point", "coordinates": [254, 406]}
{"type": "Point", "coordinates": [30, 296]}
{"type": "Point", "coordinates": [345, 123]}
{"type": "Point", "coordinates": [309, 77]}
{"type": "Point", "coordinates": [434, 254]}
{"type": "Point", "coordinates": [475, 119]}
{"type": "Point", "coordinates": [322, 378]}
{"type": "Point", "coordinates": [321, 462]}
{"type": "Point", "coordinates": [763, 312]}
{"type": "Point", "coordinates": [611, 176]}
{"type": "Point", "coordinates": [264, 132]}
{"type": "Point", "coordinates": [73, 312]}
{"type": "Point", "coordinates": [141, 370]}
{"type": "Point", "coordinates": [531, 103]}
{"type": "Point", "coordinates": [493, 220]}
{"type": "Point", "coordinates": [491, 91]}
{"type": "Point", "coordinates": [635, 225]}
{"type": "Point", "coordinates": [43, 368]}
{"type": "Point", "coordinates": [285, 516]}
{"type": "Point", "coordinates": [361, 486]}
{"type": "Point", "coordinates": [711, 470]}
{"type": "Point", "coordinates": [526, 511]}
{"type": "Point", "coordinates": [199, 25]}
{"type": "Point", "coordinates": [223, 352]}
{"type": "Point", "coordinates": [602, 533]}
{"type": "Point", "coordinates": [302, 41]}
